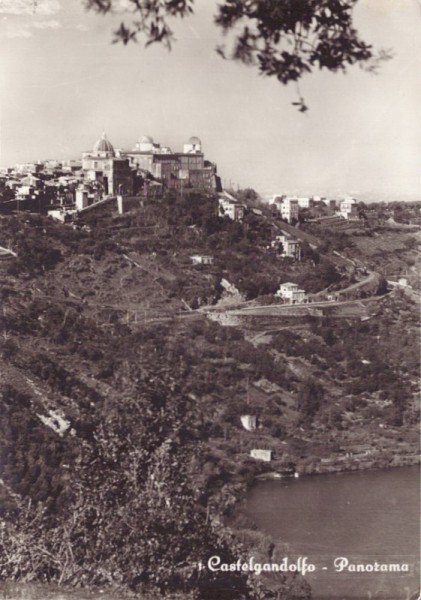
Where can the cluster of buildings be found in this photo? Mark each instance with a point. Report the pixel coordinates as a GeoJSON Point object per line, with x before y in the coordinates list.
{"type": "Point", "coordinates": [288, 207]}
{"type": "Point", "coordinates": [35, 185]}
{"type": "Point", "coordinates": [286, 244]}
{"type": "Point", "coordinates": [146, 169]}
{"type": "Point", "coordinates": [116, 170]}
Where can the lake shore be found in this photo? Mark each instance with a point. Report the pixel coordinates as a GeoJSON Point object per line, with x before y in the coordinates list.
{"type": "Point", "coordinates": [342, 466]}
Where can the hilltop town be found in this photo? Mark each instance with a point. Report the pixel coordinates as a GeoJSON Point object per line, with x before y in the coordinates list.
{"type": "Point", "coordinates": [167, 341]}
{"type": "Point", "coordinates": [61, 187]}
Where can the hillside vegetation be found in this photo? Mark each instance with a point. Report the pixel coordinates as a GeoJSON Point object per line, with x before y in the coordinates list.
{"type": "Point", "coordinates": [122, 447]}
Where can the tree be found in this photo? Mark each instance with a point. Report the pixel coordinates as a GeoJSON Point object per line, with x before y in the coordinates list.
{"type": "Point", "coordinates": [381, 288]}
{"type": "Point", "coordinates": [309, 399]}
{"type": "Point", "coordinates": [35, 254]}
{"type": "Point", "coordinates": [284, 39]}
{"type": "Point", "coordinates": [307, 253]}
{"type": "Point", "coordinates": [247, 195]}
{"type": "Point", "coordinates": [327, 272]}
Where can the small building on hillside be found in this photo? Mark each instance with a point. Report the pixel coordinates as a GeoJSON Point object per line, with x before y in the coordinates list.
{"type": "Point", "coordinates": [265, 455]}
{"type": "Point", "coordinates": [291, 247]}
{"type": "Point", "coordinates": [228, 206]}
{"type": "Point", "coordinates": [87, 194]}
{"type": "Point", "coordinates": [333, 297]}
{"type": "Point", "coordinates": [62, 215]}
{"type": "Point", "coordinates": [202, 259]}
{"type": "Point", "coordinates": [287, 207]}
{"type": "Point", "coordinates": [348, 208]}
{"type": "Point", "coordinates": [292, 293]}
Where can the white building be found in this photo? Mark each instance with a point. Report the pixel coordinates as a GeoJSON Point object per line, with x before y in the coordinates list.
{"type": "Point", "coordinates": [62, 215]}
{"type": "Point", "coordinates": [305, 202]}
{"type": "Point", "coordinates": [230, 207]}
{"type": "Point", "coordinates": [265, 455]}
{"type": "Point", "coordinates": [24, 192]}
{"type": "Point", "coordinates": [202, 259]}
{"type": "Point", "coordinates": [292, 293]}
{"type": "Point", "coordinates": [81, 198]}
{"type": "Point", "coordinates": [86, 194]}
{"type": "Point", "coordinates": [291, 247]}
{"type": "Point", "coordinates": [348, 208]}
{"type": "Point", "coordinates": [287, 207]}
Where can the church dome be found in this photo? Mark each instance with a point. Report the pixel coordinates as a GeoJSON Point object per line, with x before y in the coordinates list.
{"type": "Point", "coordinates": [145, 139]}
{"type": "Point", "coordinates": [104, 145]}
{"type": "Point", "coordinates": [194, 141]}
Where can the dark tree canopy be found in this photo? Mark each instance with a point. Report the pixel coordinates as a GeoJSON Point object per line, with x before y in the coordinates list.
{"type": "Point", "coordinates": [282, 38]}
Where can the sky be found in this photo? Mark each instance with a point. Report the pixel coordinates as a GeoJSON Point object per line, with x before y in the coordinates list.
{"type": "Point", "coordinates": [62, 82]}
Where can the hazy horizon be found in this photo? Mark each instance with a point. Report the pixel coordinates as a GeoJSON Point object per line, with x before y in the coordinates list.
{"type": "Point", "coordinates": [63, 83]}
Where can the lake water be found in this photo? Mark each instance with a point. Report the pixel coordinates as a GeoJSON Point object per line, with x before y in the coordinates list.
{"type": "Point", "coordinates": [365, 517]}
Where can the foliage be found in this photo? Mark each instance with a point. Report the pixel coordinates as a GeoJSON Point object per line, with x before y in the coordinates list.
{"type": "Point", "coordinates": [382, 286]}
{"type": "Point", "coordinates": [285, 39]}
{"type": "Point", "coordinates": [309, 399]}
{"type": "Point", "coordinates": [30, 453]}
{"type": "Point", "coordinates": [36, 255]}
{"type": "Point", "coordinates": [132, 516]}
{"type": "Point", "coordinates": [249, 196]}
